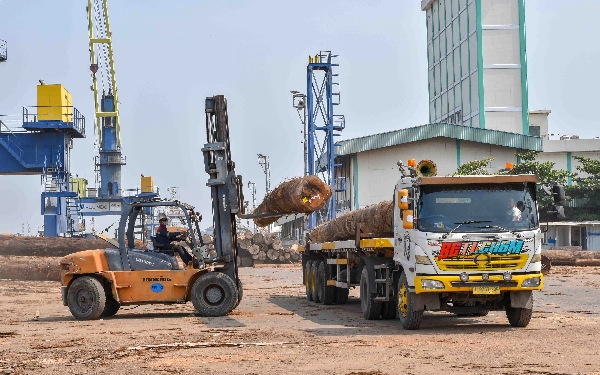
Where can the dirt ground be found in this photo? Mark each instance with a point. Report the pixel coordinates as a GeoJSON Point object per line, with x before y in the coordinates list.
{"type": "Point", "coordinates": [276, 331]}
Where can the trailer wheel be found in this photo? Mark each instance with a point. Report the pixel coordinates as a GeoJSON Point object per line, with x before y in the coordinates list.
{"type": "Point", "coordinates": [314, 281]}
{"type": "Point", "coordinates": [370, 308]}
{"type": "Point", "coordinates": [327, 291]}
{"type": "Point", "coordinates": [518, 317]}
{"type": "Point", "coordinates": [214, 294]}
{"type": "Point", "coordinates": [86, 298]}
{"type": "Point", "coordinates": [341, 294]}
{"type": "Point", "coordinates": [410, 318]}
{"type": "Point", "coordinates": [307, 269]}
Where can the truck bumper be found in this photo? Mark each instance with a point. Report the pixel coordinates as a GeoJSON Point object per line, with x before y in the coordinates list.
{"type": "Point", "coordinates": [452, 283]}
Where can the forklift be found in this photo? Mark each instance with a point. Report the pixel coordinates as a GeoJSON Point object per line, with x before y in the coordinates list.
{"type": "Point", "coordinates": [96, 283]}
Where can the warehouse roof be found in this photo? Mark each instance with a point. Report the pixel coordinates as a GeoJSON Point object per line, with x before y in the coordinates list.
{"type": "Point", "coordinates": [419, 133]}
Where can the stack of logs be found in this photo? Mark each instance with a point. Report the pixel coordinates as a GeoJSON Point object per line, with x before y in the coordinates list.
{"type": "Point", "coordinates": [258, 248]}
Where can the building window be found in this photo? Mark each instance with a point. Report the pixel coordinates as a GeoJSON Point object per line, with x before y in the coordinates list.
{"type": "Point", "coordinates": [534, 130]}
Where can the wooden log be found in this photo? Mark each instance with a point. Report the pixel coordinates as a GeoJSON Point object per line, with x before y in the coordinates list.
{"type": "Point", "coordinates": [268, 238]}
{"type": "Point", "coordinates": [255, 256]}
{"type": "Point", "coordinates": [244, 244]}
{"type": "Point", "coordinates": [287, 256]}
{"type": "Point", "coordinates": [282, 259]}
{"type": "Point", "coordinates": [254, 249]}
{"type": "Point", "coordinates": [247, 262]}
{"type": "Point", "coordinates": [258, 239]}
{"type": "Point", "coordinates": [377, 218]}
{"type": "Point", "coordinates": [262, 255]}
{"type": "Point", "coordinates": [277, 244]}
{"type": "Point", "coordinates": [272, 254]}
{"type": "Point", "coordinates": [248, 234]}
{"type": "Point", "coordinates": [299, 195]}
{"type": "Point", "coordinates": [208, 239]}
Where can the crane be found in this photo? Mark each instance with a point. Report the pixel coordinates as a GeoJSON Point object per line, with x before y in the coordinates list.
{"type": "Point", "coordinates": [102, 66]}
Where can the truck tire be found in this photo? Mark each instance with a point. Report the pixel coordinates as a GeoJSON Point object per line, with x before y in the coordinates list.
{"type": "Point", "coordinates": [389, 310]}
{"type": "Point", "coordinates": [327, 291]}
{"type": "Point", "coordinates": [341, 296]}
{"type": "Point", "coordinates": [371, 309]}
{"type": "Point", "coordinates": [314, 280]}
{"type": "Point", "coordinates": [307, 279]}
{"type": "Point", "coordinates": [410, 317]}
{"type": "Point", "coordinates": [518, 317]}
{"type": "Point", "coordinates": [86, 298]}
{"type": "Point", "coordinates": [214, 294]}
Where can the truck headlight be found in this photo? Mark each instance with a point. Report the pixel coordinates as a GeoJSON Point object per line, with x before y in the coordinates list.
{"type": "Point", "coordinates": [536, 258]}
{"type": "Point", "coordinates": [422, 259]}
{"type": "Point", "coordinates": [532, 282]}
{"type": "Point", "coordinates": [432, 284]}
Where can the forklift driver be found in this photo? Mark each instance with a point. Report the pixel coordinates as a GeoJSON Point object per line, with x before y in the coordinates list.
{"type": "Point", "coordinates": [164, 239]}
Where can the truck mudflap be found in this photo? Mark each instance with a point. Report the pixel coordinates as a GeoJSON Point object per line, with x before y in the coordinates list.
{"type": "Point", "coordinates": [496, 282]}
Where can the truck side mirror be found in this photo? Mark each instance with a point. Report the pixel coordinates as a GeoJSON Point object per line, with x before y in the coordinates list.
{"type": "Point", "coordinates": [558, 212]}
{"type": "Point", "coordinates": [558, 193]}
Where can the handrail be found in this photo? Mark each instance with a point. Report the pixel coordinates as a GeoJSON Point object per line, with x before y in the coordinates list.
{"type": "Point", "coordinates": [55, 113]}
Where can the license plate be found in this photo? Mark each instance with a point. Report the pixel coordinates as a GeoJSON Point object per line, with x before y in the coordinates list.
{"type": "Point", "coordinates": [486, 290]}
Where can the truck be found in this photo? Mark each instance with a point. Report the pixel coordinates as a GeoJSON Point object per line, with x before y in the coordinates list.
{"type": "Point", "coordinates": [462, 244]}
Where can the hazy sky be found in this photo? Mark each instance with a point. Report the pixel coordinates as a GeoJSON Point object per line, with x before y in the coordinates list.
{"type": "Point", "coordinates": [170, 55]}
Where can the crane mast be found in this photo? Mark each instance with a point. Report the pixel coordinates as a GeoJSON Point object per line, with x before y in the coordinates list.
{"type": "Point", "coordinates": [102, 66]}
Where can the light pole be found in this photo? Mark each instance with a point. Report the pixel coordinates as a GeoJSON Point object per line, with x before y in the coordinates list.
{"type": "Point", "coordinates": [299, 102]}
{"type": "Point", "coordinates": [263, 160]}
{"type": "Point", "coordinates": [252, 187]}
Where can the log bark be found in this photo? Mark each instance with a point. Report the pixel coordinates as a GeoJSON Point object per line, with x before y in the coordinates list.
{"type": "Point", "coordinates": [300, 195]}
{"type": "Point", "coordinates": [276, 244]}
{"type": "Point", "coordinates": [272, 254]}
{"type": "Point", "coordinates": [258, 239]}
{"type": "Point", "coordinates": [377, 219]}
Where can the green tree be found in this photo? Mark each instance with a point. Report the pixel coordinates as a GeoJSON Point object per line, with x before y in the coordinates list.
{"type": "Point", "coordinates": [586, 190]}
{"type": "Point", "coordinates": [475, 167]}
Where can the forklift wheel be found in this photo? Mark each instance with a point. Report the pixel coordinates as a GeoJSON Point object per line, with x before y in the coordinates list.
{"type": "Point", "coordinates": [86, 298]}
{"type": "Point", "coordinates": [214, 294]}
{"type": "Point", "coordinates": [240, 289]}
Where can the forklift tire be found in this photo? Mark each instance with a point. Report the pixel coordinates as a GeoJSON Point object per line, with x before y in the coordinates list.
{"type": "Point", "coordinates": [214, 294]}
{"type": "Point", "coordinates": [315, 281]}
{"type": "Point", "coordinates": [371, 309]}
{"type": "Point", "coordinates": [410, 318]}
{"type": "Point", "coordinates": [86, 298]}
{"type": "Point", "coordinates": [110, 308]}
{"type": "Point", "coordinates": [240, 290]}
{"type": "Point", "coordinates": [327, 291]}
{"type": "Point", "coordinates": [307, 269]}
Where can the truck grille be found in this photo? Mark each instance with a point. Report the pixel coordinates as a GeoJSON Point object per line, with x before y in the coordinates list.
{"type": "Point", "coordinates": [483, 262]}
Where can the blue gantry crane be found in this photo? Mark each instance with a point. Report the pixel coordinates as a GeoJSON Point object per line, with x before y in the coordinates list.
{"type": "Point", "coordinates": [323, 93]}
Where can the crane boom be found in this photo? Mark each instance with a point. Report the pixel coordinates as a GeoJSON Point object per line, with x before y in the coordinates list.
{"type": "Point", "coordinates": [102, 66]}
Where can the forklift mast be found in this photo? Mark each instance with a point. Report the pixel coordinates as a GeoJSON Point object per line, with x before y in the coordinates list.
{"type": "Point", "coordinates": [225, 185]}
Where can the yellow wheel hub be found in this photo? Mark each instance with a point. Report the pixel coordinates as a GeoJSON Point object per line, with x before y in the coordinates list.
{"type": "Point", "coordinates": [403, 299]}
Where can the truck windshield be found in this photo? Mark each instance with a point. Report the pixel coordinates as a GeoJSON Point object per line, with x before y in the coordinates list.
{"type": "Point", "coordinates": [494, 208]}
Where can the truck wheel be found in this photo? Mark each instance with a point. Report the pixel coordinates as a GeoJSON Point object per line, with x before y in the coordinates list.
{"type": "Point", "coordinates": [518, 317]}
{"type": "Point", "coordinates": [307, 279]}
{"type": "Point", "coordinates": [314, 281]}
{"type": "Point", "coordinates": [370, 308]}
{"type": "Point", "coordinates": [410, 317]}
{"type": "Point", "coordinates": [327, 291]}
{"type": "Point", "coordinates": [341, 296]}
{"type": "Point", "coordinates": [214, 294]}
{"type": "Point", "coordinates": [86, 298]}
{"type": "Point", "coordinates": [240, 290]}
{"type": "Point", "coordinates": [389, 310]}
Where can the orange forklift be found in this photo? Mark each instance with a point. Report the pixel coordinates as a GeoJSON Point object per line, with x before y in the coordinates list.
{"type": "Point", "coordinates": [96, 283]}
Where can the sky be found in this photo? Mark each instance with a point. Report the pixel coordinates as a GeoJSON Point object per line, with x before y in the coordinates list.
{"type": "Point", "coordinates": [169, 56]}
